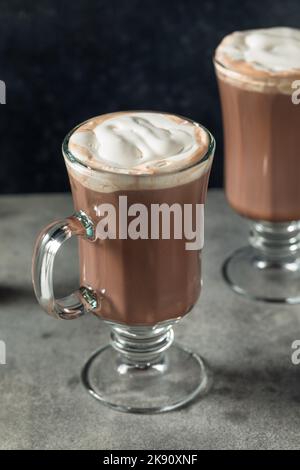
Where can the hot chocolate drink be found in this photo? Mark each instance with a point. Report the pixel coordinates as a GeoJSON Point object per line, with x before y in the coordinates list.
{"type": "Point", "coordinates": [257, 73]}
{"type": "Point", "coordinates": [150, 158]}
{"type": "Point", "coordinates": [256, 70]}
{"type": "Point", "coordinates": [139, 181]}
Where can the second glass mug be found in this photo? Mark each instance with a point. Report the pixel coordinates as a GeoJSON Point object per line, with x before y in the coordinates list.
{"type": "Point", "coordinates": [262, 139]}
{"type": "Point", "coordinates": [140, 288]}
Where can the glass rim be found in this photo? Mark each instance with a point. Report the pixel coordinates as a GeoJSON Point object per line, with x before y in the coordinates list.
{"type": "Point", "coordinates": [76, 161]}
{"type": "Point", "coordinates": [272, 80]}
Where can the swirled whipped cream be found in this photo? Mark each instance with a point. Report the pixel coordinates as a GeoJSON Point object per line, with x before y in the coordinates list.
{"type": "Point", "coordinates": [262, 53]}
{"type": "Point", "coordinates": [138, 143]}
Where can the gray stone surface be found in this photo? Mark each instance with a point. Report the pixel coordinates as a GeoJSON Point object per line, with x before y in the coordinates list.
{"type": "Point", "coordinates": [255, 399]}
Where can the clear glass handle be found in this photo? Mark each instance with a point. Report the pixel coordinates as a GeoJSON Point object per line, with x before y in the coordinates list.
{"type": "Point", "coordinates": [47, 245]}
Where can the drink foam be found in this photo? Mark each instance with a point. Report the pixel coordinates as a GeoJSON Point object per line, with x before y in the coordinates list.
{"type": "Point", "coordinates": [266, 57]}
{"type": "Point", "coordinates": [112, 150]}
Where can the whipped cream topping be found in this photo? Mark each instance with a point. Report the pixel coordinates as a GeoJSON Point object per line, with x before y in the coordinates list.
{"type": "Point", "coordinates": [138, 143]}
{"type": "Point", "coordinates": [272, 51]}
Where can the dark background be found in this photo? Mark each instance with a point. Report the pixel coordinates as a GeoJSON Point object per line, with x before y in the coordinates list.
{"type": "Point", "coordinates": [66, 61]}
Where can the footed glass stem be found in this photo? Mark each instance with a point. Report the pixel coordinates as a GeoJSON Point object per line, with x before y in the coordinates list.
{"type": "Point", "coordinates": [142, 371]}
{"type": "Point", "coordinates": [269, 268]}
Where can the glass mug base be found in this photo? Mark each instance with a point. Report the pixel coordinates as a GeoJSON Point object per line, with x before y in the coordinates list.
{"type": "Point", "coordinates": [127, 377]}
{"type": "Point", "coordinates": [250, 274]}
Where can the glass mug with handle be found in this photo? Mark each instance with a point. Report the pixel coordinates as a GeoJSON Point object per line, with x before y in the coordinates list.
{"type": "Point", "coordinates": [136, 277]}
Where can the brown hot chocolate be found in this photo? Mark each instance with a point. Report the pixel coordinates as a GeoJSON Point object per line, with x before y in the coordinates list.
{"type": "Point", "coordinates": [142, 281]}
{"type": "Point", "coordinates": [256, 70]}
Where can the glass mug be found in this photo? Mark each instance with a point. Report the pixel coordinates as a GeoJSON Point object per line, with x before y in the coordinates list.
{"type": "Point", "coordinates": [139, 287]}
{"type": "Point", "coordinates": [262, 140]}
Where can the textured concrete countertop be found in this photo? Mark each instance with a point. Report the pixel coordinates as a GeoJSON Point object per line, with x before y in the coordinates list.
{"type": "Point", "coordinates": [255, 399]}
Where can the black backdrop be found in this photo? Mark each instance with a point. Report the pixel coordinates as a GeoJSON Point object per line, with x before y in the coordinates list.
{"type": "Point", "coordinates": [65, 61]}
